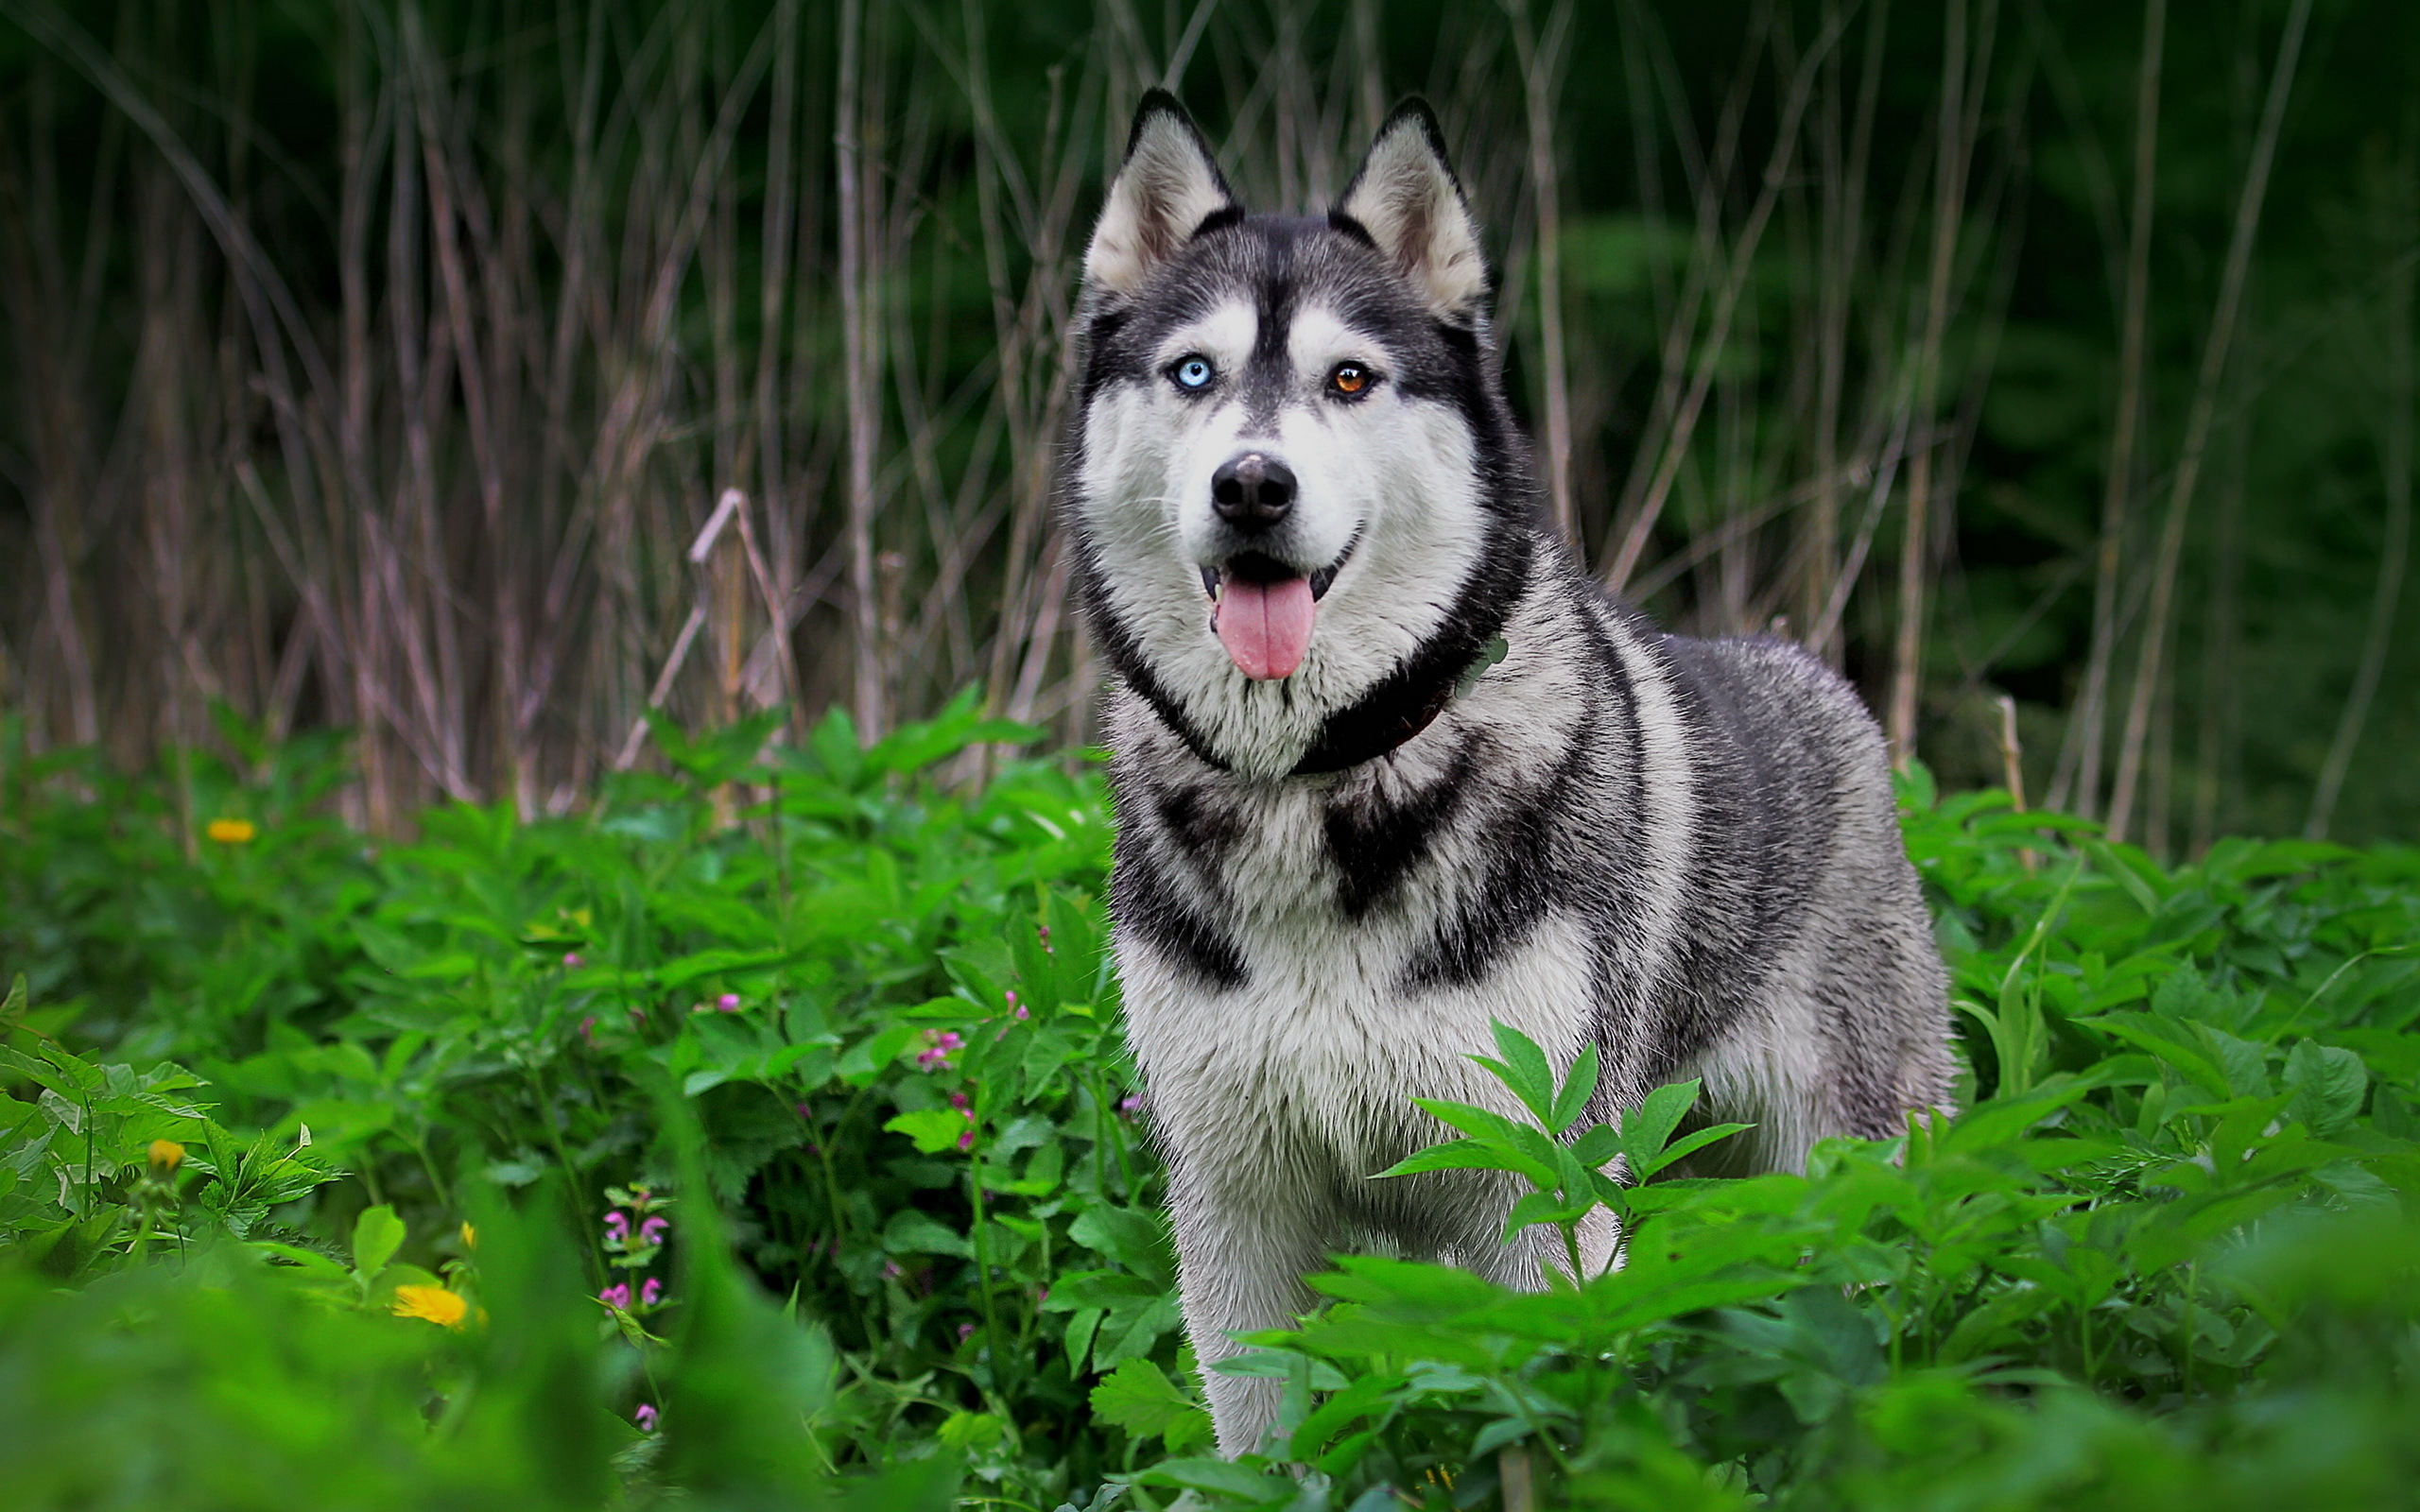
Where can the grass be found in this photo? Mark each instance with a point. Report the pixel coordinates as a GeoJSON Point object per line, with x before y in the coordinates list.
{"type": "Point", "coordinates": [322, 1150]}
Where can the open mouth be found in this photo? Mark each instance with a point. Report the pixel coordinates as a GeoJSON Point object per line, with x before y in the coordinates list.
{"type": "Point", "coordinates": [1262, 609]}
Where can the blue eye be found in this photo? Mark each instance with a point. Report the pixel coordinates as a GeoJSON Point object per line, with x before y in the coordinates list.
{"type": "Point", "coordinates": [1193, 372]}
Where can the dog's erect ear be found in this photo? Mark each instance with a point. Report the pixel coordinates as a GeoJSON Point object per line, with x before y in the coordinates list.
{"type": "Point", "coordinates": [1407, 197]}
{"type": "Point", "coordinates": [1167, 188]}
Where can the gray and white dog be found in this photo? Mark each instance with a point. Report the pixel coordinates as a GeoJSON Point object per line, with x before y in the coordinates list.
{"type": "Point", "coordinates": [1388, 765]}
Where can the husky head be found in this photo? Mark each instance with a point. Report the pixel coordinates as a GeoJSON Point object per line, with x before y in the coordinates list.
{"type": "Point", "coordinates": [1296, 498]}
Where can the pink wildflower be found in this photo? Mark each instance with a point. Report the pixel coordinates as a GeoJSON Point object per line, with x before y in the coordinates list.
{"type": "Point", "coordinates": [728, 1002]}
{"type": "Point", "coordinates": [652, 1230]}
{"type": "Point", "coordinates": [572, 961]}
{"type": "Point", "coordinates": [939, 1045]}
{"type": "Point", "coordinates": [616, 1225]}
{"type": "Point", "coordinates": [651, 1293]}
{"type": "Point", "coordinates": [616, 1296]}
{"type": "Point", "coordinates": [646, 1418]}
{"type": "Point", "coordinates": [965, 1331]}
{"type": "Point", "coordinates": [588, 1029]}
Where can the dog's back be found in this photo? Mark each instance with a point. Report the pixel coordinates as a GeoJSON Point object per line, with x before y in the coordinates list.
{"type": "Point", "coordinates": [1838, 1019]}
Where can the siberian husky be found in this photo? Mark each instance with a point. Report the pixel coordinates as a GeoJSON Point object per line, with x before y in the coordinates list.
{"type": "Point", "coordinates": [1387, 764]}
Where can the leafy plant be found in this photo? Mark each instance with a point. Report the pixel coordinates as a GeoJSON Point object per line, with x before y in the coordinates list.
{"type": "Point", "coordinates": [1571, 1176]}
{"type": "Point", "coordinates": [848, 1035]}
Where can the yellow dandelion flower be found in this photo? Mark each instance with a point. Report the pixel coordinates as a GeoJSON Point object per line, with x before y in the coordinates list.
{"type": "Point", "coordinates": [166, 1155]}
{"type": "Point", "coordinates": [434, 1303]}
{"type": "Point", "coordinates": [232, 831]}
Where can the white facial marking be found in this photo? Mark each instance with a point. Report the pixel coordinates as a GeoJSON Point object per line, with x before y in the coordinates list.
{"type": "Point", "coordinates": [1391, 481]}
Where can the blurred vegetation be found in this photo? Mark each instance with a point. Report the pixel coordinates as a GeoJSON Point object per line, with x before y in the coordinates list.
{"type": "Point", "coordinates": [388, 367]}
{"type": "Point", "coordinates": [764, 1133]}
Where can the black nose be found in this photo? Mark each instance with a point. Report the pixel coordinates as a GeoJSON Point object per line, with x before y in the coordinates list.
{"type": "Point", "coordinates": [1253, 491]}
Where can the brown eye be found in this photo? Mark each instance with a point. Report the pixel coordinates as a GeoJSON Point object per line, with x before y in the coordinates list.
{"type": "Point", "coordinates": [1349, 379]}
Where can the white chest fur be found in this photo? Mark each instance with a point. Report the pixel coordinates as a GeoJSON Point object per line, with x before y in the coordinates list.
{"type": "Point", "coordinates": [1316, 1059]}
{"type": "Point", "coordinates": [1307, 1067]}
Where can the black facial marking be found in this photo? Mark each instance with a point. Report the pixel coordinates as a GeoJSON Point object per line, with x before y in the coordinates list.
{"type": "Point", "coordinates": [1375, 844]}
{"type": "Point", "coordinates": [1218, 219]}
{"type": "Point", "coordinates": [1346, 225]}
{"type": "Point", "coordinates": [1125, 658]}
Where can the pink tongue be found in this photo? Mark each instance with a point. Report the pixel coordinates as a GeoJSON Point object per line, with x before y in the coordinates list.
{"type": "Point", "coordinates": [1266, 626]}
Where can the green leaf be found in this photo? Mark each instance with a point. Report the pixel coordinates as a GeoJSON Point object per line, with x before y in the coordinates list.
{"type": "Point", "coordinates": [376, 1235]}
{"type": "Point", "coordinates": [1456, 1154]}
{"type": "Point", "coordinates": [2245, 1062]}
{"type": "Point", "coordinates": [934, 1129]}
{"type": "Point", "coordinates": [1597, 1146]}
{"type": "Point", "coordinates": [1479, 1123]}
{"type": "Point", "coordinates": [1136, 1240]}
{"type": "Point", "coordinates": [1221, 1477]}
{"type": "Point", "coordinates": [685, 970]}
{"type": "Point", "coordinates": [1572, 1101]}
{"type": "Point", "coordinates": [2173, 1042]}
{"type": "Point", "coordinates": [913, 1231]}
{"type": "Point", "coordinates": [1524, 1069]}
{"type": "Point", "coordinates": [2328, 1083]}
{"type": "Point", "coordinates": [1688, 1144]}
{"type": "Point", "coordinates": [1134, 1333]}
{"type": "Point", "coordinates": [1545, 1207]}
{"type": "Point", "coordinates": [310, 1262]}
{"type": "Point", "coordinates": [870, 1056]}
{"type": "Point", "coordinates": [1344, 1407]}
{"type": "Point", "coordinates": [1646, 1127]}
{"type": "Point", "coordinates": [1139, 1398]}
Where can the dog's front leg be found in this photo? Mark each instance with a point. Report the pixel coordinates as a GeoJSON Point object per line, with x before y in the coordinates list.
{"type": "Point", "coordinates": [1240, 1263]}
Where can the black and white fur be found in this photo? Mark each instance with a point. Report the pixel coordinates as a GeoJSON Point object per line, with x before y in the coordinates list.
{"type": "Point", "coordinates": [1683, 851]}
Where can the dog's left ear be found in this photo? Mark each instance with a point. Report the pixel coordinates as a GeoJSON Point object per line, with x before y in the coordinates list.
{"type": "Point", "coordinates": [1407, 197]}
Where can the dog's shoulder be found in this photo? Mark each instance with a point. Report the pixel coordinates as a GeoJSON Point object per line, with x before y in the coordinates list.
{"type": "Point", "coordinates": [1772, 697]}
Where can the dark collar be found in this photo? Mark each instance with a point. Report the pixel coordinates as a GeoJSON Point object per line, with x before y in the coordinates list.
{"type": "Point", "coordinates": [1405, 702]}
{"type": "Point", "coordinates": [1384, 720]}
{"type": "Point", "coordinates": [1392, 714]}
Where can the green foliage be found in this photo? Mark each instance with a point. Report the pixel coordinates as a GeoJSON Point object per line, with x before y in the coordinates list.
{"type": "Point", "coordinates": [98, 1167]}
{"type": "Point", "coordinates": [762, 1135]}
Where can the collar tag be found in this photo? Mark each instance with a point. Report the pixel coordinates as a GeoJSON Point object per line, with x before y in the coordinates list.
{"type": "Point", "coordinates": [1489, 655]}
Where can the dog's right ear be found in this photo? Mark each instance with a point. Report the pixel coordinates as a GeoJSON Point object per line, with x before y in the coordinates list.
{"type": "Point", "coordinates": [1167, 188]}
